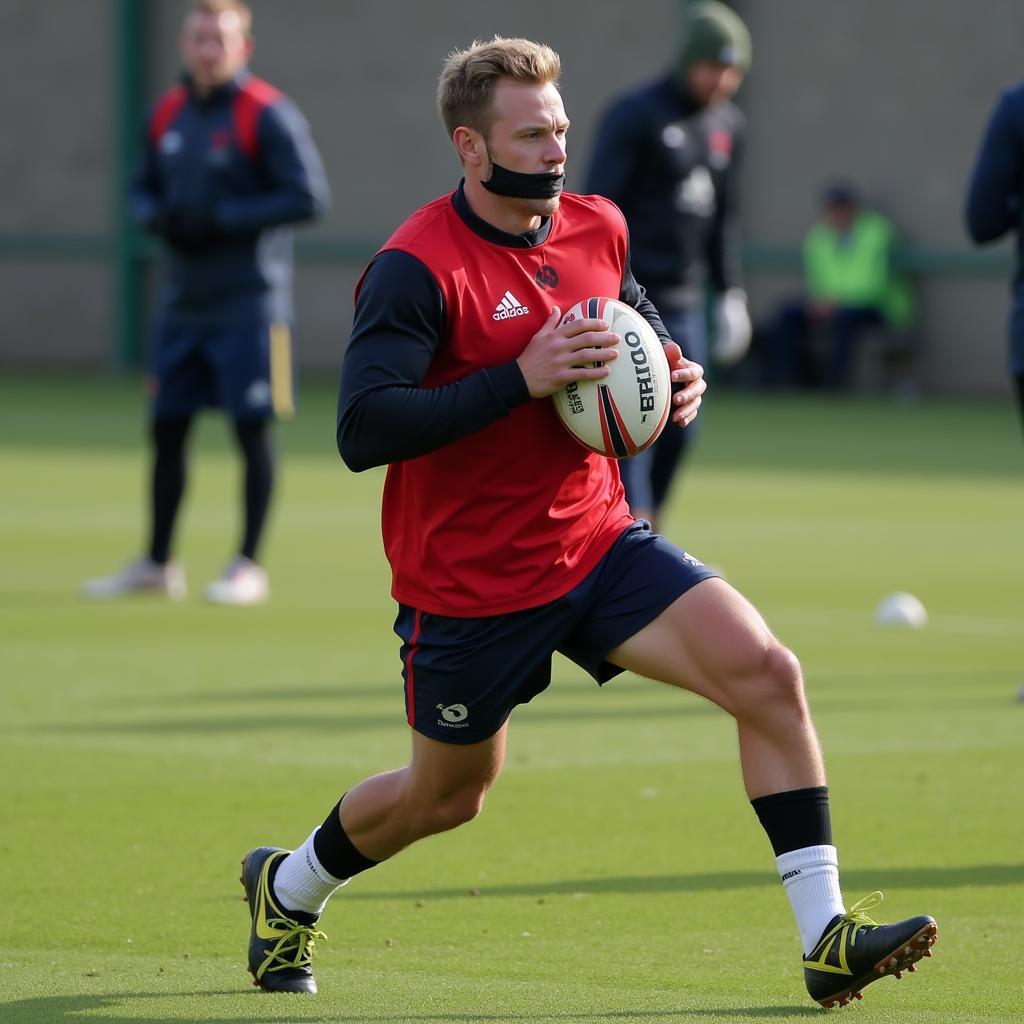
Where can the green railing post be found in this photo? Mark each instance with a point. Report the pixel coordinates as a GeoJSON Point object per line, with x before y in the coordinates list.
{"type": "Point", "coordinates": [127, 109]}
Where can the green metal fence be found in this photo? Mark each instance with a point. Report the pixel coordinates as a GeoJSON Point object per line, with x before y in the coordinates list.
{"type": "Point", "coordinates": [128, 253]}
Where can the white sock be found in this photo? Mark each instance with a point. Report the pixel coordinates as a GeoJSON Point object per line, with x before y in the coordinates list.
{"type": "Point", "coordinates": [811, 879]}
{"type": "Point", "coordinates": [302, 882]}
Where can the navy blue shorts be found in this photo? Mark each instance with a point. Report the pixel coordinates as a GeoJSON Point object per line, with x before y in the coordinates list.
{"type": "Point", "coordinates": [244, 368]}
{"type": "Point", "coordinates": [463, 676]}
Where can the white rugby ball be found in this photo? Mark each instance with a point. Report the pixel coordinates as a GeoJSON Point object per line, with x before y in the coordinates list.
{"type": "Point", "coordinates": [623, 413]}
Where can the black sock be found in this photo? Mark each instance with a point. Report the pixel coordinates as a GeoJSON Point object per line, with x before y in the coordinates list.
{"type": "Point", "coordinates": [335, 851]}
{"type": "Point", "coordinates": [254, 440]}
{"type": "Point", "coordinates": [795, 819]}
{"type": "Point", "coordinates": [168, 481]}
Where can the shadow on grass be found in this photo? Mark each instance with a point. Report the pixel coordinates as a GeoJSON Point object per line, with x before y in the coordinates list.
{"type": "Point", "coordinates": [902, 878]}
{"type": "Point", "coordinates": [341, 723]}
{"type": "Point", "coordinates": [806, 433]}
{"type": "Point", "coordinates": [275, 719]}
{"type": "Point", "coordinates": [336, 692]}
{"type": "Point", "coordinates": [120, 1008]}
{"type": "Point", "coordinates": [343, 689]}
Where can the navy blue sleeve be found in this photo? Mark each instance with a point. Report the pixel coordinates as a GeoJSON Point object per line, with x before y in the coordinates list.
{"type": "Point", "coordinates": [725, 243]}
{"type": "Point", "coordinates": [384, 415]}
{"type": "Point", "coordinates": [297, 184]}
{"type": "Point", "coordinates": [617, 146]}
{"type": "Point", "coordinates": [633, 294]}
{"type": "Point", "coordinates": [994, 196]}
{"type": "Point", "coordinates": [145, 196]}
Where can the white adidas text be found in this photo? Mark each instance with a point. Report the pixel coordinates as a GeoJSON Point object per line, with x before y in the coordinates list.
{"type": "Point", "coordinates": [508, 307]}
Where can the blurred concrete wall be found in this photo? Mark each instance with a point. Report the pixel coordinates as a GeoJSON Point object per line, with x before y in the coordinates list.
{"type": "Point", "coordinates": [894, 95]}
{"type": "Point", "coordinates": [55, 177]}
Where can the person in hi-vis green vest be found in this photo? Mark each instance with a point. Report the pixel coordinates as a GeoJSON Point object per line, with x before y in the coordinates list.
{"type": "Point", "coordinates": [851, 285]}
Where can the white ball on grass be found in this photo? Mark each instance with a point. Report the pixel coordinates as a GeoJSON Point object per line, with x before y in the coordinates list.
{"type": "Point", "coordinates": [901, 609]}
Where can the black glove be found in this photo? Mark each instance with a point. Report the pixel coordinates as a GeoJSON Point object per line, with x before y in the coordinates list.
{"type": "Point", "coordinates": [189, 230]}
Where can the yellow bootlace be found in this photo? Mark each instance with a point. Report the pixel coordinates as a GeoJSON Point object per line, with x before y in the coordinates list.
{"type": "Point", "coordinates": [857, 914]}
{"type": "Point", "coordinates": [295, 938]}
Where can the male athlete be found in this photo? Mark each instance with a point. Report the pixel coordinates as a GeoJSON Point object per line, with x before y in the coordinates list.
{"type": "Point", "coordinates": [509, 541]}
{"type": "Point", "coordinates": [228, 166]}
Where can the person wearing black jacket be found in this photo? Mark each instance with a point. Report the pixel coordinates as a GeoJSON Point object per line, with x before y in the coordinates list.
{"type": "Point", "coordinates": [669, 154]}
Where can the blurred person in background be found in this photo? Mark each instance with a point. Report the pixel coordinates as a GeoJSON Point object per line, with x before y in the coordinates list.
{"type": "Point", "coordinates": [995, 206]}
{"type": "Point", "coordinates": [668, 153]}
{"type": "Point", "coordinates": [228, 165]}
{"type": "Point", "coordinates": [852, 287]}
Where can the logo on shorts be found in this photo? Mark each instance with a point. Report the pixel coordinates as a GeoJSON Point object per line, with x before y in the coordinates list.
{"type": "Point", "coordinates": [454, 715]}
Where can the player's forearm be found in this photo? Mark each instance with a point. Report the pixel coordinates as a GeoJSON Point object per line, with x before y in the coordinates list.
{"type": "Point", "coordinates": [993, 198]}
{"type": "Point", "coordinates": [243, 216]}
{"type": "Point", "coordinates": [724, 254]}
{"type": "Point", "coordinates": [398, 422]}
{"type": "Point", "coordinates": [144, 206]}
{"type": "Point", "coordinates": [991, 210]}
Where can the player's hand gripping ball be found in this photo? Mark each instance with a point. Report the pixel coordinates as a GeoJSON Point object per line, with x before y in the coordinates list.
{"type": "Point", "coordinates": [625, 412]}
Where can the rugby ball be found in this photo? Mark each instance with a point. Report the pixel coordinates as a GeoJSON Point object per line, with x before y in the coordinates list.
{"type": "Point", "coordinates": [625, 412]}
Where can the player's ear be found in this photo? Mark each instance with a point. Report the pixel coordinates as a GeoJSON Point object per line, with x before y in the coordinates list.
{"type": "Point", "coordinates": [469, 144]}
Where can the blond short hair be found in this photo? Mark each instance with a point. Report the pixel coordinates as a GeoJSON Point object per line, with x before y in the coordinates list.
{"type": "Point", "coordinates": [465, 91]}
{"type": "Point", "coordinates": [218, 7]}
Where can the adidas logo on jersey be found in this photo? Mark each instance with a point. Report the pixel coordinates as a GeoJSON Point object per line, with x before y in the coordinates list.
{"type": "Point", "coordinates": [509, 307]}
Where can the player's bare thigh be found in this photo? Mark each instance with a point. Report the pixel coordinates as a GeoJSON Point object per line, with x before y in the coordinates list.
{"type": "Point", "coordinates": [710, 640]}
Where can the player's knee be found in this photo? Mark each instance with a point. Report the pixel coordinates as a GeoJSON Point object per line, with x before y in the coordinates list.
{"type": "Point", "coordinates": [773, 681]}
{"type": "Point", "coordinates": [458, 808]}
{"type": "Point", "coordinates": [782, 682]}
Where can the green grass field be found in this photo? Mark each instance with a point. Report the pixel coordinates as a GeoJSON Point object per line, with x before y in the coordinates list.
{"type": "Point", "coordinates": [617, 873]}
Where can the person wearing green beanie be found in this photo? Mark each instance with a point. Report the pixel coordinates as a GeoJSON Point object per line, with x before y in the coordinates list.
{"type": "Point", "coordinates": [715, 33]}
{"type": "Point", "coordinates": [668, 152]}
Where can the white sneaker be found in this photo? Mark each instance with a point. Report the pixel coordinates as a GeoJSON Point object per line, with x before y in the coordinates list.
{"type": "Point", "coordinates": [141, 575]}
{"type": "Point", "coordinates": [243, 582]}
